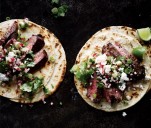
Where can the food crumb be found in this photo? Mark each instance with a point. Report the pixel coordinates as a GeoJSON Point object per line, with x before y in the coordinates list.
{"type": "Point", "coordinates": [31, 105]}
{"type": "Point", "coordinates": [124, 114]}
{"type": "Point", "coordinates": [60, 103]}
{"type": "Point", "coordinates": [51, 103]}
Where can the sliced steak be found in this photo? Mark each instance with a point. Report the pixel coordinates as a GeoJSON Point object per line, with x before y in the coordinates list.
{"type": "Point", "coordinates": [9, 42]}
{"type": "Point", "coordinates": [112, 94]}
{"type": "Point", "coordinates": [116, 50]}
{"type": "Point", "coordinates": [93, 91]}
{"type": "Point", "coordinates": [40, 60]}
{"type": "Point", "coordinates": [12, 30]}
{"type": "Point", "coordinates": [34, 43]}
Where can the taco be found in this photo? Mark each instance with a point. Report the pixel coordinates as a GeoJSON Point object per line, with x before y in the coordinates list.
{"type": "Point", "coordinates": [112, 70]}
{"type": "Point", "coordinates": [32, 61]}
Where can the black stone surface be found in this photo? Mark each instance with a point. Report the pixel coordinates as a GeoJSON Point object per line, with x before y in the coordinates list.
{"type": "Point", "coordinates": [84, 18]}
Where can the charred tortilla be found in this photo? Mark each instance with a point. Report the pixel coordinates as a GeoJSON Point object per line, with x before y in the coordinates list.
{"type": "Point", "coordinates": [51, 72]}
{"type": "Point", "coordinates": [127, 38]}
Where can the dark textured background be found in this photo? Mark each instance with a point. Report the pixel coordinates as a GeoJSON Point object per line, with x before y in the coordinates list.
{"type": "Point", "coordinates": [84, 18]}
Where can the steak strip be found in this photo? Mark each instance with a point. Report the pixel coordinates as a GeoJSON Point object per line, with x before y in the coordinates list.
{"type": "Point", "coordinates": [93, 91]}
{"type": "Point", "coordinates": [34, 43]}
{"type": "Point", "coordinates": [116, 50]}
{"type": "Point", "coordinates": [11, 31]}
{"type": "Point", "coordinates": [40, 59]}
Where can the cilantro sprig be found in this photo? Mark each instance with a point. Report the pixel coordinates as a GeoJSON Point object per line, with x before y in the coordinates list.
{"type": "Point", "coordinates": [59, 10]}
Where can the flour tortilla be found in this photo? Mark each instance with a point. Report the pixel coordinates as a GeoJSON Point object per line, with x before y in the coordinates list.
{"type": "Point", "coordinates": [52, 73]}
{"type": "Point", "coordinates": [128, 39]}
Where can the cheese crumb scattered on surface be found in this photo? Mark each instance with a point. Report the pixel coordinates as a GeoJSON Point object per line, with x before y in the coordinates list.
{"type": "Point", "coordinates": [51, 103]}
{"type": "Point", "coordinates": [124, 114]}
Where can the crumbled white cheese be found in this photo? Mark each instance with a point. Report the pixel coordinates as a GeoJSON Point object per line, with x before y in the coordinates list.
{"type": "Point", "coordinates": [10, 55]}
{"type": "Point", "coordinates": [147, 77]}
{"type": "Point", "coordinates": [3, 77]}
{"type": "Point", "coordinates": [16, 43]}
{"type": "Point", "coordinates": [122, 87]}
{"type": "Point", "coordinates": [124, 114]}
{"type": "Point", "coordinates": [115, 74]}
{"type": "Point", "coordinates": [128, 97]}
{"type": "Point", "coordinates": [124, 77]}
{"type": "Point", "coordinates": [118, 63]}
{"type": "Point", "coordinates": [121, 69]}
{"type": "Point", "coordinates": [25, 49]}
{"type": "Point", "coordinates": [101, 59]}
{"type": "Point", "coordinates": [85, 92]}
{"type": "Point", "coordinates": [107, 68]}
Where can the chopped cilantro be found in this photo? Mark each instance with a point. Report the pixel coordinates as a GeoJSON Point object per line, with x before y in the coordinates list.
{"type": "Point", "coordinates": [3, 66]}
{"type": "Point", "coordinates": [32, 86]}
{"type": "Point", "coordinates": [23, 25]}
{"type": "Point", "coordinates": [94, 95]}
{"type": "Point", "coordinates": [31, 64]}
{"type": "Point", "coordinates": [46, 90]}
{"type": "Point", "coordinates": [128, 70]}
{"type": "Point", "coordinates": [100, 85]}
{"type": "Point", "coordinates": [52, 59]}
{"type": "Point", "coordinates": [55, 1]}
{"type": "Point", "coordinates": [60, 11]}
{"type": "Point", "coordinates": [81, 72]}
{"type": "Point", "coordinates": [52, 85]}
{"type": "Point", "coordinates": [129, 61]}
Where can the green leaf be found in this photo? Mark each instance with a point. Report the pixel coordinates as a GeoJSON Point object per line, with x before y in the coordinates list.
{"type": "Point", "coordinates": [3, 66]}
{"type": "Point", "coordinates": [52, 59]}
{"type": "Point", "coordinates": [46, 90]}
{"type": "Point", "coordinates": [32, 86]}
{"type": "Point", "coordinates": [129, 61]}
{"type": "Point", "coordinates": [128, 70]}
{"type": "Point", "coordinates": [100, 85]}
{"type": "Point", "coordinates": [74, 68]}
{"type": "Point", "coordinates": [54, 11]}
{"type": "Point", "coordinates": [121, 58]}
{"type": "Point", "coordinates": [26, 87]}
{"type": "Point", "coordinates": [31, 64]}
{"type": "Point", "coordinates": [23, 25]}
{"type": "Point", "coordinates": [60, 11]}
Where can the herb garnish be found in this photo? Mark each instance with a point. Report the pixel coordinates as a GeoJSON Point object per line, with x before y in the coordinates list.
{"type": "Point", "coordinates": [59, 10]}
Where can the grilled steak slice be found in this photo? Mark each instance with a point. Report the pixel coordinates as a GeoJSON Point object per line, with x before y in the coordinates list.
{"type": "Point", "coordinates": [116, 50]}
{"type": "Point", "coordinates": [10, 33]}
{"type": "Point", "coordinates": [40, 59]}
{"type": "Point", "coordinates": [93, 91]}
{"type": "Point", "coordinates": [34, 43]}
{"type": "Point", "coordinates": [112, 94]}
{"type": "Point", "coordinates": [9, 42]}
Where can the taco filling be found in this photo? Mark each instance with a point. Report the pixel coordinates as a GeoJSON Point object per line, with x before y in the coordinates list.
{"type": "Point", "coordinates": [107, 76]}
{"type": "Point", "coordinates": [20, 58]}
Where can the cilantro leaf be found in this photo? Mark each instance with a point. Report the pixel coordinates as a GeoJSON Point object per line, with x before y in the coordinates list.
{"type": "Point", "coordinates": [55, 1]}
{"type": "Point", "coordinates": [60, 11]}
